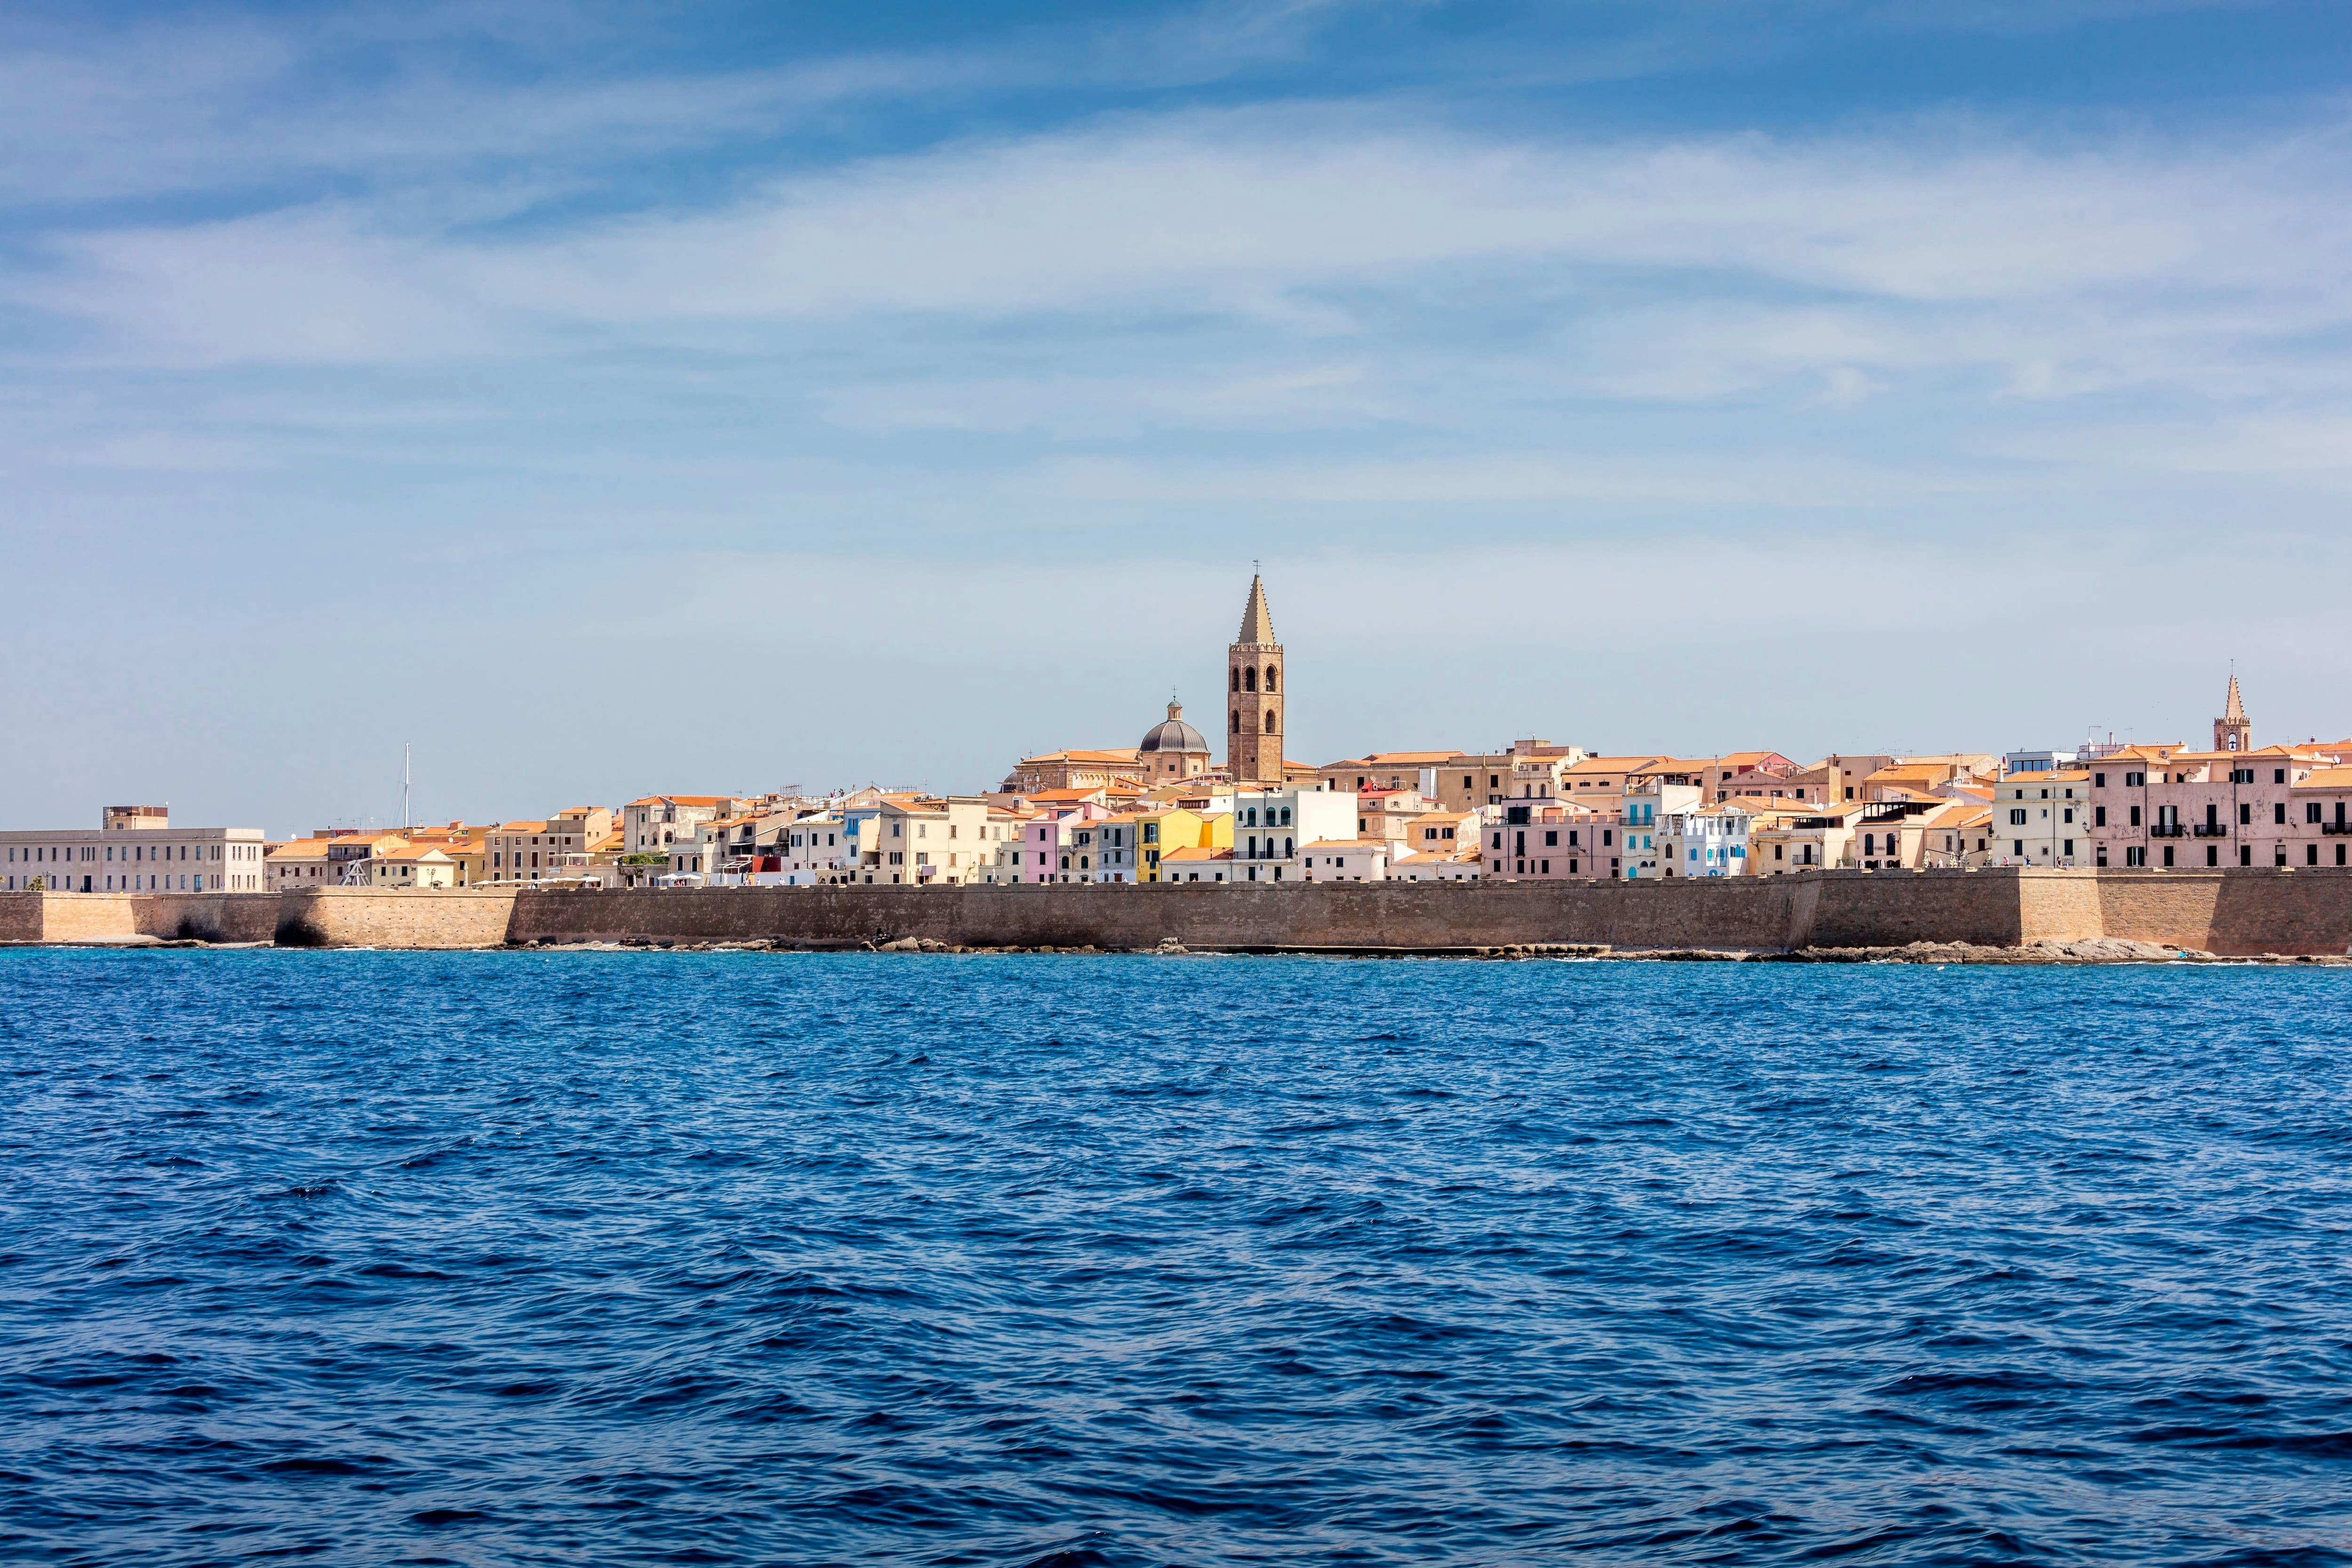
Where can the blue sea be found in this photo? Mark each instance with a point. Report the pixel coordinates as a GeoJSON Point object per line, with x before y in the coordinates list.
{"type": "Point", "coordinates": [675, 1258]}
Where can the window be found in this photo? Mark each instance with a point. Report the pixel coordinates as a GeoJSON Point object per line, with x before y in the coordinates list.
{"type": "Point", "coordinates": [2278, 775]}
{"type": "Point", "coordinates": [2245, 814]}
{"type": "Point", "coordinates": [1249, 679]}
{"type": "Point", "coordinates": [1237, 721]}
{"type": "Point", "coordinates": [2017, 817]}
{"type": "Point", "coordinates": [2135, 817]}
{"type": "Point", "coordinates": [2311, 811]}
{"type": "Point", "coordinates": [1551, 840]}
{"type": "Point", "coordinates": [1269, 677]}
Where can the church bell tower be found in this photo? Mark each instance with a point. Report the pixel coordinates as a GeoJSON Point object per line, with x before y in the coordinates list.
{"type": "Point", "coordinates": [2233, 732]}
{"type": "Point", "coordinates": [1253, 699]}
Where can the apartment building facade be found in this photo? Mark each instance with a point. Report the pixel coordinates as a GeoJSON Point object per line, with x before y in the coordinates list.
{"type": "Point", "coordinates": [135, 848]}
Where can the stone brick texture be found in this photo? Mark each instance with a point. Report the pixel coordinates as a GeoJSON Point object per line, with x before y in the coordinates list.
{"type": "Point", "coordinates": [2233, 912]}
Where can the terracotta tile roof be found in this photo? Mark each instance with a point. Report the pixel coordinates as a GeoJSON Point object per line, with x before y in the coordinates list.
{"type": "Point", "coordinates": [1616, 764]}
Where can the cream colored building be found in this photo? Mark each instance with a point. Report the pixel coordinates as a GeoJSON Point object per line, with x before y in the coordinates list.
{"type": "Point", "coordinates": [411, 867]}
{"type": "Point", "coordinates": [1441, 832]}
{"type": "Point", "coordinates": [1438, 866]}
{"type": "Point", "coordinates": [657, 821]}
{"type": "Point", "coordinates": [932, 841]}
{"type": "Point", "coordinates": [2043, 819]}
{"type": "Point", "coordinates": [1815, 841]}
{"type": "Point", "coordinates": [298, 863]}
{"type": "Point", "coordinates": [564, 845]}
{"type": "Point", "coordinates": [135, 849]}
{"type": "Point", "coordinates": [1390, 770]}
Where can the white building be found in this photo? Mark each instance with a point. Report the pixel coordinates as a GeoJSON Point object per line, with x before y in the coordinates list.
{"type": "Point", "coordinates": [1343, 860]}
{"type": "Point", "coordinates": [1271, 821]}
{"type": "Point", "coordinates": [1644, 807]}
{"type": "Point", "coordinates": [135, 849]}
{"type": "Point", "coordinates": [1708, 842]}
{"type": "Point", "coordinates": [812, 850]}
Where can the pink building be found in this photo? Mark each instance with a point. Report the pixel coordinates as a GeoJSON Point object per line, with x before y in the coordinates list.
{"type": "Point", "coordinates": [2151, 806]}
{"type": "Point", "coordinates": [1540, 838]}
{"type": "Point", "coordinates": [2234, 805]}
{"type": "Point", "coordinates": [1053, 853]}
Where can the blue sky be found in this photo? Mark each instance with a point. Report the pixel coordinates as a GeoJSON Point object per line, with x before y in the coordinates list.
{"type": "Point", "coordinates": [610, 399]}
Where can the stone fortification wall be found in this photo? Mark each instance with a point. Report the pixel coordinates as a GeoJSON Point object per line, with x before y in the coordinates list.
{"type": "Point", "coordinates": [117, 917]}
{"type": "Point", "coordinates": [1831, 909]}
{"type": "Point", "coordinates": [1354, 916]}
{"type": "Point", "coordinates": [2258, 910]}
{"type": "Point", "coordinates": [2227, 911]}
{"type": "Point", "coordinates": [362, 917]}
{"type": "Point", "coordinates": [204, 916]}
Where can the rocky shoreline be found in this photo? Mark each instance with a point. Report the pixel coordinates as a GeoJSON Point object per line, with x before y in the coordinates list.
{"type": "Point", "coordinates": [2093, 950]}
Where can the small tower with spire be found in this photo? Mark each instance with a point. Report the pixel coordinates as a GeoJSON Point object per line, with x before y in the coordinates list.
{"type": "Point", "coordinates": [2233, 732]}
{"type": "Point", "coordinates": [1254, 701]}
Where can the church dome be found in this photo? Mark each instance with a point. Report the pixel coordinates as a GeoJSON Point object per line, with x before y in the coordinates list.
{"type": "Point", "coordinates": [1172, 734]}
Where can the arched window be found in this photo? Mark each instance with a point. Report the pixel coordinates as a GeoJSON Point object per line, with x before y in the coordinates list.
{"type": "Point", "coordinates": [1269, 721]}
{"type": "Point", "coordinates": [1289, 847]}
{"type": "Point", "coordinates": [1237, 721]}
{"type": "Point", "coordinates": [1269, 677]}
{"type": "Point", "coordinates": [1237, 680]}
{"type": "Point", "coordinates": [1249, 679]}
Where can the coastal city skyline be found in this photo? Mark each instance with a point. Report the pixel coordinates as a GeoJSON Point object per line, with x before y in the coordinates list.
{"type": "Point", "coordinates": [1231, 806]}
{"type": "Point", "coordinates": [399, 800]}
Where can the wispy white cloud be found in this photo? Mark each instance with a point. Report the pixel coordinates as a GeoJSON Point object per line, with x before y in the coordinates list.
{"type": "Point", "coordinates": [1926, 379]}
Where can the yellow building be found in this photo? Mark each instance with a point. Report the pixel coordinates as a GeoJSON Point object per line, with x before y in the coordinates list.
{"type": "Point", "coordinates": [1159, 830]}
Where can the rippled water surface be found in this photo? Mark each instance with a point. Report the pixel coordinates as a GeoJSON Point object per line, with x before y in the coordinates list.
{"type": "Point", "coordinates": [719, 1257]}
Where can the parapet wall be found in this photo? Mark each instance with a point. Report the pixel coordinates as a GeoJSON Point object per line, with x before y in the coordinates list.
{"type": "Point", "coordinates": [2237, 912]}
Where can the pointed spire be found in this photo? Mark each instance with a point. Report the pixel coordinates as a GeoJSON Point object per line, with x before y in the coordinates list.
{"type": "Point", "coordinates": [1257, 621]}
{"type": "Point", "coordinates": [2235, 713]}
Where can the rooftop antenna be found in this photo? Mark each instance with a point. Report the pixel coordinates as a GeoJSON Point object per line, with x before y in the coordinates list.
{"type": "Point", "coordinates": [405, 819]}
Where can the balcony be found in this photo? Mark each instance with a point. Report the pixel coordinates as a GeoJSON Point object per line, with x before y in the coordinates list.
{"type": "Point", "coordinates": [2335, 828]}
{"type": "Point", "coordinates": [2214, 830]}
{"type": "Point", "coordinates": [2169, 830]}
